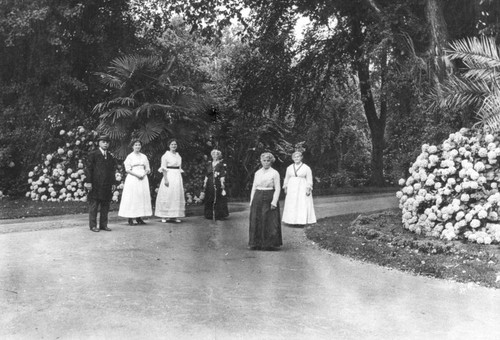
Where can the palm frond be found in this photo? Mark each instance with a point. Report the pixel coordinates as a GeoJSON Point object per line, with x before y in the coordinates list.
{"type": "Point", "coordinates": [150, 131]}
{"type": "Point", "coordinates": [490, 111]}
{"type": "Point", "coordinates": [115, 132]}
{"type": "Point", "coordinates": [461, 93]}
{"type": "Point", "coordinates": [485, 74]}
{"type": "Point", "coordinates": [127, 65]}
{"type": "Point", "coordinates": [124, 101]}
{"type": "Point", "coordinates": [147, 109]}
{"type": "Point", "coordinates": [116, 113]}
{"type": "Point", "coordinates": [476, 53]}
{"type": "Point", "coordinates": [110, 80]}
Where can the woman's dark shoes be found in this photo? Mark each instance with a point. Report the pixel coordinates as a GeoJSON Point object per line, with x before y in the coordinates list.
{"type": "Point", "coordinates": [131, 221]}
{"type": "Point", "coordinates": [140, 221]}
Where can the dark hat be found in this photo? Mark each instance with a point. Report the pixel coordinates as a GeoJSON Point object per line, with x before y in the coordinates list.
{"type": "Point", "coordinates": [103, 137]}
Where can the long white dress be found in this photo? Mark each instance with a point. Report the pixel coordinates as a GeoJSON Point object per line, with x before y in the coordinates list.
{"type": "Point", "coordinates": [299, 208]}
{"type": "Point", "coordinates": [170, 201]}
{"type": "Point", "coordinates": [136, 198]}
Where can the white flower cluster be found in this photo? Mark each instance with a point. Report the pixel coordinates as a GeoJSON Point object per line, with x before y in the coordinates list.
{"type": "Point", "coordinates": [61, 175]}
{"type": "Point", "coordinates": [190, 199]}
{"type": "Point", "coordinates": [452, 191]}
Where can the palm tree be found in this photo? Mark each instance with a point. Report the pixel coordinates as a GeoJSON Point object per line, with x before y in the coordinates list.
{"type": "Point", "coordinates": [145, 104]}
{"type": "Point", "coordinates": [479, 85]}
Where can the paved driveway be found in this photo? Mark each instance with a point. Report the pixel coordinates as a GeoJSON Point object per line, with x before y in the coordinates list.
{"type": "Point", "coordinates": [197, 280]}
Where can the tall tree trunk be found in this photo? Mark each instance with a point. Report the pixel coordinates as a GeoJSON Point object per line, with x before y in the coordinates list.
{"type": "Point", "coordinates": [376, 122]}
{"type": "Point", "coordinates": [439, 39]}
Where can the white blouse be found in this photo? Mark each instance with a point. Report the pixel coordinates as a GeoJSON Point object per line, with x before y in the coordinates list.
{"type": "Point", "coordinates": [170, 159]}
{"type": "Point", "coordinates": [267, 179]}
{"type": "Point", "coordinates": [137, 163]}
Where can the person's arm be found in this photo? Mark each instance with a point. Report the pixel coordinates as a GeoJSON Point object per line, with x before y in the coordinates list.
{"type": "Point", "coordinates": [222, 176]}
{"type": "Point", "coordinates": [89, 170]}
{"type": "Point", "coordinates": [309, 181]}
{"type": "Point", "coordinates": [147, 167]}
{"type": "Point", "coordinates": [128, 167]}
{"type": "Point", "coordinates": [254, 186]}
{"type": "Point", "coordinates": [287, 177]}
{"type": "Point", "coordinates": [207, 173]}
{"type": "Point", "coordinates": [163, 169]}
{"type": "Point", "coordinates": [180, 164]}
{"type": "Point", "coordinates": [277, 189]}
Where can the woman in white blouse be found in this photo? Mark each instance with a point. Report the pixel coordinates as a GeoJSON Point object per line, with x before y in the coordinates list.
{"type": "Point", "coordinates": [136, 199]}
{"type": "Point", "coordinates": [265, 225]}
{"type": "Point", "coordinates": [170, 201]}
{"type": "Point", "coordinates": [298, 208]}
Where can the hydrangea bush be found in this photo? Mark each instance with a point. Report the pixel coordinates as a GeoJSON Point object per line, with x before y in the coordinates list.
{"type": "Point", "coordinates": [60, 176]}
{"type": "Point", "coordinates": [452, 191]}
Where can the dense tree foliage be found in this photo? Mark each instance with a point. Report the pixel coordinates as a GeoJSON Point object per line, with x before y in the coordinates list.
{"type": "Point", "coordinates": [49, 49]}
{"type": "Point", "coordinates": [353, 90]}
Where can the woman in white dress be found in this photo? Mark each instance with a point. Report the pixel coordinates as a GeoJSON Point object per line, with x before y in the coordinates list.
{"type": "Point", "coordinates": [298, 185]}
{"type": "Point", "coordinates": [170, 201]}
{"type": "Point", "coordinates": [136, 198]}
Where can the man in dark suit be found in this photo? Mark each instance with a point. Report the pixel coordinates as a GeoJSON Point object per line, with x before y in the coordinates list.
{"type": "Point", "coordinates": [100, 176]}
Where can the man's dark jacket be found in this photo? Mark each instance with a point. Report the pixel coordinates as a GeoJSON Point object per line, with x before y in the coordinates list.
{"type": "Point", "coordinates": [101, 173]}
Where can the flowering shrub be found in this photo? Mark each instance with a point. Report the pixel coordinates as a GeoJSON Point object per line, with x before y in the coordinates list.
{"type": "Point", "coordinates": [60, 176]}
{"type": "Point", "coordinates": [452, 191]}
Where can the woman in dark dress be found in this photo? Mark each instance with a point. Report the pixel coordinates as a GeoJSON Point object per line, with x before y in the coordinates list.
{"type": "Point", "coordinates": [214, 184]}
{"type": "Point", "coordinates": [265, 224]}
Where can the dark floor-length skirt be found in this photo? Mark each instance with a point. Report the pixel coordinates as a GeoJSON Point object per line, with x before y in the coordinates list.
{"type": "Point", "coordinates": [215, 202]}
{"type": "Point", "coordinates": [265, 224]}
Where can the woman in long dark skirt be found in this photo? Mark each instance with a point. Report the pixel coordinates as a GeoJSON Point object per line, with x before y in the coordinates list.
{"type": "Point", "coordinates": [265, 224]}
{"type": "Point", "coordinates": [214, 184]}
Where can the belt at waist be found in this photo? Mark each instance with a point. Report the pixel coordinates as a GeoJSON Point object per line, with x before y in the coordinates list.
{"type": "Point", "coordinates": [173, 167]}
{"type": "Point", "coordinates": [264, 188]}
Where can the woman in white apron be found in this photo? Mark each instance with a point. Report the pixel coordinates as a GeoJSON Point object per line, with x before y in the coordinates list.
{"type": "Point", "coordinates": [298, 185]}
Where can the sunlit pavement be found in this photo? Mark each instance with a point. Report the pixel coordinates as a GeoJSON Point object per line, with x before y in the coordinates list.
{"type": "Point", "coordinates": [198, 280]}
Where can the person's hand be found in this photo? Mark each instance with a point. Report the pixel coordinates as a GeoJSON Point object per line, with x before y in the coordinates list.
{"type": "Point", "coordinates": [308, 191]}
{"type": "Point", "coordinates": [166, 183]}
{"type": "Point", "coordinates": [273, 207]}
{"type": "Point", "coordinates": [284, 189]}
{"type": "Point", "coordinates": [88, 186]}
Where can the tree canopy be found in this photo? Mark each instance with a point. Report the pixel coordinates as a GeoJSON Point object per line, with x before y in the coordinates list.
{"type": "Point", "coordinates": [358, 90]}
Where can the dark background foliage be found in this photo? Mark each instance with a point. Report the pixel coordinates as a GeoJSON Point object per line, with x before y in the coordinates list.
{"type": "Point", "coordinates": [354, 89]}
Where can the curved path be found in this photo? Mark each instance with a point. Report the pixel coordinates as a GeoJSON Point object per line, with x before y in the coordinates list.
{"type": "Point", "coordinates": [197, 280]}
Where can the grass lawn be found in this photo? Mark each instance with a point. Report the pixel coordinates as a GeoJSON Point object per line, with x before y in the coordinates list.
{"type": "Point", "coordinates": [380, 238]}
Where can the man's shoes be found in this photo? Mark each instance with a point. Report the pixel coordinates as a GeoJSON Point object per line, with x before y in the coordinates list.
{"type": "Point", "coordinates": [105, 228]}
{"type": "Point", "coordinates": [94, 230]}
